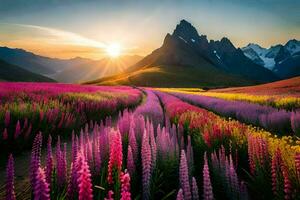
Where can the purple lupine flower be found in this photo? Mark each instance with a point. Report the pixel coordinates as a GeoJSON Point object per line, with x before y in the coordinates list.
{"type": "Point", "coordinates": [35, 161]}
{"type": "Point", "coordinates": [10, 176]}
{"type": "Point", "coordinates": [49, 162]}
{"type": "Point", "coordinates": [61, 164]}
{"type": "Point", "coordinates": [207, 188]}
{"type": "Point", "coordinates": [153, 147]}
{"type": "Point", "coordinates": [132, 141]}
{"type": "Point", "coordinates": [74, 146]}
{"type": "Point", "coordinates": [195, 189]}
{"type": "Point", "coordinates": [41, 187]}
{"type": "Point", "coordinates": [72, 189]}
{"type": "Point", "coordinates": [130, 161]}
{"type": "Point", "coordinates": [184, 177]}
{"type": "Point", "coordinates": [18, 130]}
{"type": "Point", "coordinates": [295, 122]}
{"type": "Point", "coordinates": [189, 154]}
{"type": "Point", "coordinates": [234, 182]}
{"type": "Point", "coordinates": [180, 195]}
{"type": "Point", "coordinates": [146, 163]}
{"type": "Point", "coordinates": [97, 156]}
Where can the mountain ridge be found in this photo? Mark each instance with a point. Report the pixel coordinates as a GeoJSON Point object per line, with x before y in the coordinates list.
{"type": "Point", "coordinates": [186, 48]}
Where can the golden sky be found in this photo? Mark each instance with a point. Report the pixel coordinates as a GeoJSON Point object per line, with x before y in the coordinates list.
{"type": "Point", "coordinates": [66, 29]}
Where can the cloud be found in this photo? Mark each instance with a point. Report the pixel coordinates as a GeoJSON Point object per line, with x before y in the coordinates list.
{"type": "Point", "coordinates": [56, 36]}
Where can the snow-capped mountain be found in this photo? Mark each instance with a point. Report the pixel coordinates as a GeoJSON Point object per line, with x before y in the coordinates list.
{"type": "Point", "coordinates": [276, 57]}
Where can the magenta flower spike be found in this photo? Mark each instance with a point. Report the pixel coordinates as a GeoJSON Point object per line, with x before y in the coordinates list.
{"type": "Point", "coordinates": [146, 164]}
{"type": "Point", "coordinates": [18, 130]}
{"type": "Point", "coordinates": [41, 187]}
{"type": "Point", "coordinates": [287, 183]}
{"type": "Point", "coordinates": [130, 161]}
{"type": "Point", "coordinates": [10, 176]}
{"type": "Point", "coordinates": [132, 142]}
{"type": "Point", "coordinates": [109, 195]}
{"type": "Point", "coordinates": [207, 188]}
{"type": "Point", "coordinates": [49, 162]}
{"type": "Point", "coordinates": [184, 177]}
{"type": "Point", "coordinates": [276, 170]}
{"type": "Point", "coordinates": [195, 193]}
{"type": "Point", "coordinates": [35, 161]}
{"type": "Point", "coordinates": [153, 147]}
{"type": "Point", "coordinates": [180, 195]}
{"type": "Point", "coordinates": [115, 156]}
{"type": "Point", "coordinates": [72, 184]}
{"type": "Point", "coordinates": [125, 186]}
{"type": "Point", "coordinates": [84, 179]}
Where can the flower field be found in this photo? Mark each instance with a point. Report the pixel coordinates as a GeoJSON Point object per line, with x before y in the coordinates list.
{"type": "Point", "coordinates": [142, 144]}
{"type": "Point", "coordinates": [287, 102]}
{"type": "Point", "coordinates": [55, 109]}
{"type": "Point", "coordinates": [279, 121]}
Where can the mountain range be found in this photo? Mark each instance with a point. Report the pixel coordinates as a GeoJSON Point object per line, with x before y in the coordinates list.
{"type": "Point", "coordinates": [283, 60]}
{"type": "Point", "coordinates": [65, 70]}
{"type": "Point", "coordinates": [188, 59]}
{"type": "Point", "coordinates": [9, 72]}
{"type": "Point", "coordinates": [185, 59]}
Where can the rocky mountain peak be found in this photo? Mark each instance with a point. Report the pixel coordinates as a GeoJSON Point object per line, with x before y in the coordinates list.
{"type": "Point", "coordinates": [186, 31]}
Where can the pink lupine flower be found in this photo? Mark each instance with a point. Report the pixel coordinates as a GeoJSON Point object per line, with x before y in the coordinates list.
{"type": "Point", "coordinates": [125, 186]}
{"type": "Point", "coordinates": [195, 189]}
{"type": "Point", "coordinates": [180, 195]}
{"type": "Point", "coordinates": [41, 188]}
{"type": "Point", "coordinates": [10, 176]}
{"type": "Point", "coordinates": [130, 161]}
{"type": "Point", "coordinates": [146, 163]}
{"type": "Point", "coordinates": [109, 195]}
{"type": "Point", "coordinates": [207, 188]}
{"type": "Point", "coordinates": [5, 134]}
{"type": "Point", "coordinates": [287, 183]}
{"type": "Point", "coordinates": [35, 161]}
{"type": "Point", "coordinates": [7, 118]}
{"type": "Point", "coordinates": [276, 171]}
{"type": "Point", "coordinates": [84, 179]}
{"type": "Point", "coordinates": [49, 161]}
{"type": "Point", "coordinates": [115, 156]}
{"type": "Point", "coordinates": [184, 177]}
{"type": "Point", "coordinates": [18, 130]}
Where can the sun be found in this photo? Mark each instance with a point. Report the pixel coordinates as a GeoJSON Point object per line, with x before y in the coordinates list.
{"type": "Point", "coordinates": [113, 50]}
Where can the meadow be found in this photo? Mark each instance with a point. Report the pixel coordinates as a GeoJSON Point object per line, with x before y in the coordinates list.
{"type": "Point", "coordinates": [120, 142]}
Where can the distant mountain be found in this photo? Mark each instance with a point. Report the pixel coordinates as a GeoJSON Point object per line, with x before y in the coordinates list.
{"type": "Point", "coordinates": [66, 70]}
{"type": "Point", "coordinates": [189, 59]}
{"type": "Point", "coordinates": [283, 60]}
{"type": "Point", "coordinates": [9, 72]}
{"type": "Point", "coordinates": [93, 69]}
